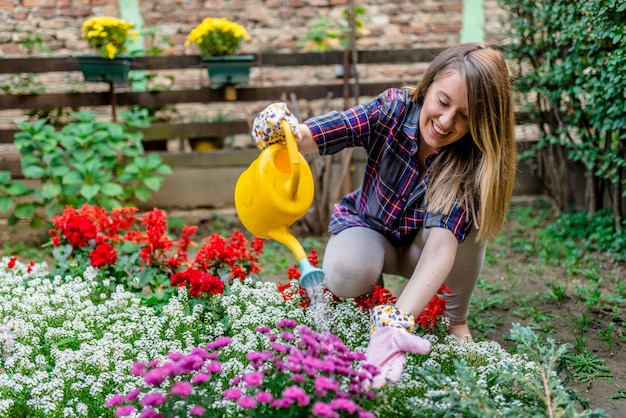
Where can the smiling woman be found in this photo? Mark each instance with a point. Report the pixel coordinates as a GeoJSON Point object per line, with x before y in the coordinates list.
{"type": "Point", "coordinates": [437, 184]}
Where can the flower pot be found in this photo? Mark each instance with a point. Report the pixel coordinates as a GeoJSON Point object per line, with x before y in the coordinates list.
{"type": "Point", "coordinates": [97, 68]}
{"type": "Point", "coordinates": [207, 144]}
{"type": "Point", "coordinates": [233, 69]}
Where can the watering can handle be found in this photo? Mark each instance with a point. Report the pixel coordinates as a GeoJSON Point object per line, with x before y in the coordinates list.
{"type": "Point", "coordinates": [294, 158]}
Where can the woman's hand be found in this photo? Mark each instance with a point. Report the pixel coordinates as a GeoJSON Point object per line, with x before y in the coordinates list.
{"type": "Point", "coordinates": [267, 126]}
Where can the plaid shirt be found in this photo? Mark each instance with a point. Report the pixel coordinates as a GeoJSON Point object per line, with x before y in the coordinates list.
{"type": "Point", "coordinates": [391, 197]}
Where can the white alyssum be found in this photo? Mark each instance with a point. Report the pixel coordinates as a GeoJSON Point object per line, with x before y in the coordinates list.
{"type": "Point", "coordinates": [73, 348]}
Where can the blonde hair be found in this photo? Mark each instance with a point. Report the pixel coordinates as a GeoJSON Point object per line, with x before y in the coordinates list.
{"type": "Point", "coordinates": [479, 169]}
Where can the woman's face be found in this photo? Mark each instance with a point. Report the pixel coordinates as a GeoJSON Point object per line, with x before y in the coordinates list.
{"type": "Point", "coordinates": [443, 119]}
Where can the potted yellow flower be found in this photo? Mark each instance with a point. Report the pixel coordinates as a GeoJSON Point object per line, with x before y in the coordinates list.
{"type": "Point", "coordinates": [109, 36]}
{"type": "Point", "coordinates": [219, 41]}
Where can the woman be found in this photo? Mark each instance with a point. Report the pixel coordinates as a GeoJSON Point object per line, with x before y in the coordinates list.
{"type": "Point", "coordinates": [438, 180]}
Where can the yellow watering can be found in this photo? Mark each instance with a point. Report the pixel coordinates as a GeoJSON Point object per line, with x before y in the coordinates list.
{"type": "Point", "coordinates": [275, 191]}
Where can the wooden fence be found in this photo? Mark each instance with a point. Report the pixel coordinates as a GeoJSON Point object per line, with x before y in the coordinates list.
{"type": "Point", "coordinates": [207, 179]}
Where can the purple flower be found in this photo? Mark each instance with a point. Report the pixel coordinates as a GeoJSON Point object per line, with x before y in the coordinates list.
{"type": "Point", "coordinates": [182, 389]}
{"type": "Point", "coordinates": [323, 383]}
{"type": "Point", "coordinates": [114, 400]}
{"type": "Point", "coordinates": [197, 411]}
{"type": "Point", "coordinates": [262, 329]}
{"type": "Point", "coordinates": [286, 323]}
{"type": "Point", "coordinates": [200, 378]}
{"type": "Point", "coordinates": [153, 398]}
{"type": "Point", "coordinates": [321, 409]}
{"type": "Point", "coordinates": [155, 377]}
{"type": "Point", "coordinates": [264, 397]}
{"type": "Point", "coordinates": [345, 404]}
{"type": "Point", "coordinates": [298, 378]}
{"type": "Point", "coordinates": [219, 343]}
{"type": "Point", "coordinates": [175, 356]}
{"type": "Point", "coordinates": [124, 411]}
{"type": "Point", "coordinates": [132, 395]}
{"type": "Point", "coordinates": [191, 362]}
{"type": "Point", "coordinates": [214, 367]}
{"type": "Point", "coordinates": [280, 347]}
{"type": "Point", "coordinates": [271, 337]}
{"type": "Point", "coordinates": [246, 402]}
{"type": "Point", "coordinates": [138, 369]}
{"type": "Point", "coordinates": [199, 351]}
{"type": "Point", "coordinates": [297, 394]}
{"type": "Point", "coordinates": [281, 403]}
{"type": "Point", "coordinates": [253, 379]}
{"type": "Point", "coordinates": [288, 336]}
{"type": "Point", "coordinates": [150, 413]}
{"type": "Point", "coordinates": [232, 394]}
{"type": "Point", "coordinates": [366, 414]}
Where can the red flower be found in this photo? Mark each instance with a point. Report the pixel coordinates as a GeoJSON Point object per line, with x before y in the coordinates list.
{"type": "Point", "coordinates": [12, 262]}
{"type": "Point", "coordinates": [379, 296]}
{"type": "Point", "coordinates": [103, 255]}
{"type": "Point", "coordinates": [79, 231]}
{"type": "Point", "coordinates": [198, 282]}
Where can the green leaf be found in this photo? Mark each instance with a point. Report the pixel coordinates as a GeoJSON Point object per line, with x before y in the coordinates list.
{"type": "Point", "coordinates": [73, 177]}
{"type": "Point", "coordinates": [18, 189]}
{"type": "Point", "coordinates": [88, 191]}
{"type": "Point", "coordinates": [143, 193]}
{"type": "Point", "coordinates": [33, 172]}
{"type": "Point", "coordinates": [112, 189]}
{"type": "Point", "coordinates": [5, 203]}
{"type": "Point", "coordinates": [50, 190]}
{"type": "Point", "coordinates": [24, 210]}
{"type": "Point", "coordinates": [153, 182]}
{"type": "Point", "coordinates": [5, 176]}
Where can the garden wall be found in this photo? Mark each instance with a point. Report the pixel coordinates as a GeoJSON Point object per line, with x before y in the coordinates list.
{"type": "Point", "coordinates": [206, 180]}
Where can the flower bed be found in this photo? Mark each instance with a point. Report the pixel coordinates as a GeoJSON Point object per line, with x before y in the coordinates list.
{"type": "Point", "coordinates": [89, 345]}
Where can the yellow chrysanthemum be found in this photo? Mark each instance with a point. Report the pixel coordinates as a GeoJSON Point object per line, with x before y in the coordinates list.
{"type": "Point", "coordinates": [218, 36]}
{"type": "Point", "coordinates": [109, 35]}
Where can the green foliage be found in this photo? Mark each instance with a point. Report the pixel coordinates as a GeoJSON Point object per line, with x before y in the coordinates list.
{"type": "Point", "coordinates": [574, 68]}
{"type": "Point", "coordinates": [326, 34]}
{"type": "Point", "coordinates": [87, 161]}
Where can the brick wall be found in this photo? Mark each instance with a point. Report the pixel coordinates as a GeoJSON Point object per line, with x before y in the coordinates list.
{"type": "Point", "coordinates": [273, 24]}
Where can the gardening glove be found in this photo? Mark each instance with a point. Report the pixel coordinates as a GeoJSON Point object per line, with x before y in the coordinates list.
{"type": "Point", "coordinates": [390, 340]}
{"type": "Point", "coordinates": [267, 129]}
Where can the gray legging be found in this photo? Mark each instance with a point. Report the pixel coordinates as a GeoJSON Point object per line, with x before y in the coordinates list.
{"type": "Point", "coordinates": [356, 257]}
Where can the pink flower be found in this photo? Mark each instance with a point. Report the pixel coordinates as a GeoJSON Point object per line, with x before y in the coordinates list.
{"type": "Point", "coordinates": [247, 402]}
{"type": "Point", "coordinates": [114, 400]}
{"type": "Point", "coordinates": [232, 394]}
{"type": "Point", "coordinates": [345, 404]}
{"type": "Point", "coordinates": [264, 397]}
{"type": "Point", "coordinates": [214, 367]}
{"type": "Point", "coordinates": [138, 369]}
{"type": "Point", "coordinates": [321, 409]}
{"type": "Point", "coordinates": [253, 379]}
{"type": "Point", "coordinates": [219, 343]}
{"type": "Point", "coordinates": [150, 413]}
{"type": "Point", "coordinates": [200, 378]}
{"type": "Point", "coordinates": [197, 411]}
{"type": "Point", "coordinates": [133, 394]}
{"type": "Point", "coordinates": [297, 394]}
{"type": "Point", "coordinates": [155, 377]}
{"type": "Point", "coordinates": [124, 411]}
{"type": "Point", "coordinates": [154, 398]}
{"type": "Point", "coordinates": [323, 383]}
{"type": "Point", "coordinates": [182, 389]}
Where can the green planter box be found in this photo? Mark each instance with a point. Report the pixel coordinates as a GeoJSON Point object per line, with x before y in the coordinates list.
{"type": "Point", "coordinates": [229, 70]}
{"type": "Point", "coordinates": [96, 68]}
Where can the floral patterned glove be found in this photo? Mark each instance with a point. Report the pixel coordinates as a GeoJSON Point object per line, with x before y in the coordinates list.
{"type": "Point", "coordinates": [390, 340]}
{"type": "Point", "coordinates": [266, 128]}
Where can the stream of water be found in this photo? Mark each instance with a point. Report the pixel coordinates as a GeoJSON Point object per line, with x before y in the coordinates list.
{"type": "Point", "coordinates": [318, 307]}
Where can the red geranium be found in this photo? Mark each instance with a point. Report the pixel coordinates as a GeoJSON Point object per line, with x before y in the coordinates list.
{"type": "Point", "coordinates": [103, 255]}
